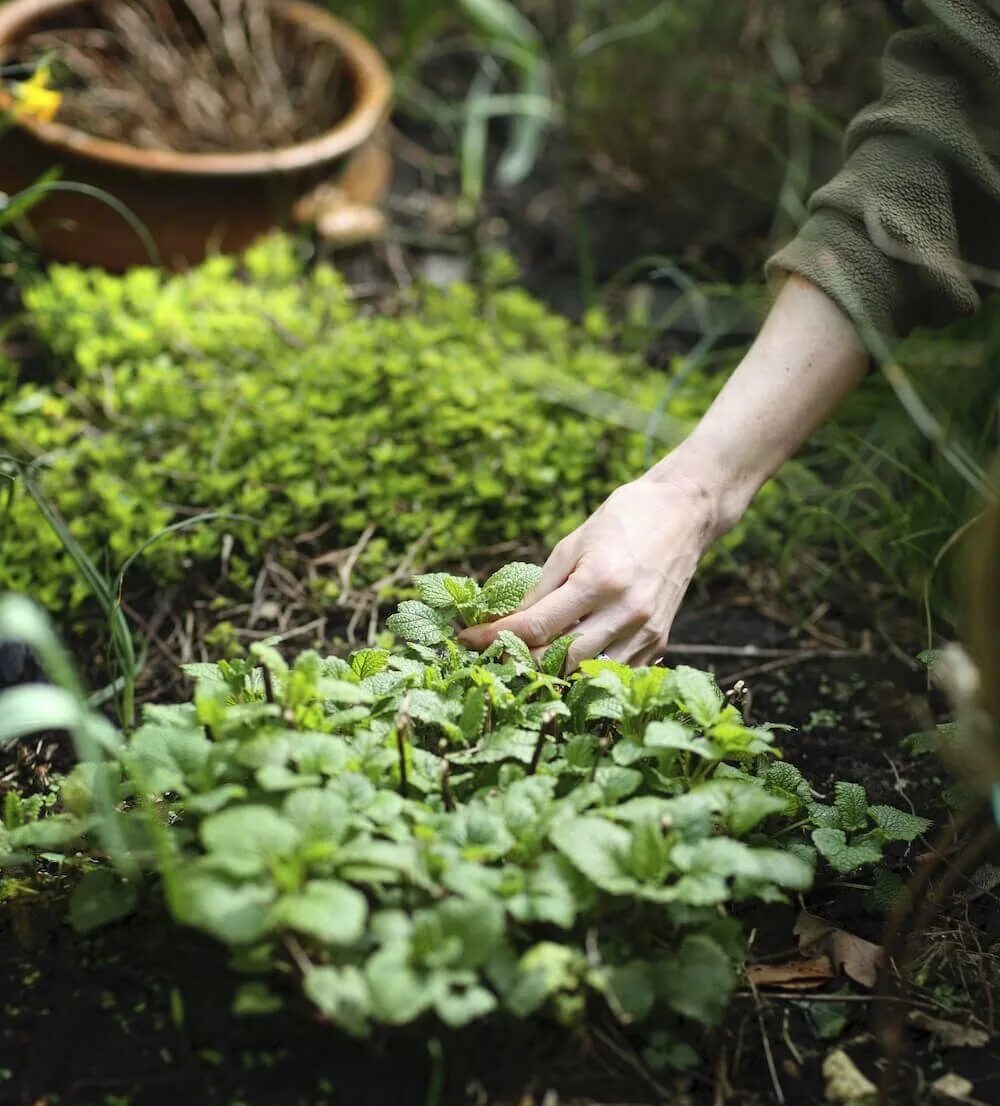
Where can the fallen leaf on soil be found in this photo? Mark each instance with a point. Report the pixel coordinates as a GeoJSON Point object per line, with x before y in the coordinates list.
{"type": "Point", "coordinates": [795, 975]}
{"type": "Point", "coordinates": [844, 1083]}
{"type": "Point", "coordinates": [950, 1034]}
{"type": "Point", "coordinates": [952, 1087]}
{"type": "Point", "coordinates": [857, 958]}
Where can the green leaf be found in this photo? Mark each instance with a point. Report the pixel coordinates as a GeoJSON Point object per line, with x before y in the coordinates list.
{"type": "Point", "coordinates": [330, 911]}
{"type": "Point", "coordinates": [649, 852]}
{"type": "Point", "coordinates": [897, 825]}
{"type": "Point", "coordinates": [237, 913]}
{"type": "Point", "coordinates": [460, 1001]}
{"type": "Point", "coordinates": [318, 814]}
{"type": "Point", "coordinates": [473, 715]}
{"type": "Point", "coordinates": [165, 758]}
{"type": "Point", "coordinates": [255, 999]}
{"type": "Point", "coordinates": [749, 805]}
{"type": "Point", "coordinates": [98, 899]}
{"type": "Point", "coordinates": [54, 832]}
{"type": "Point", "coordinates": [698, 695]}
{"type": "Point", "coordinates": [420, 624]}
{"type": "Point", "coordinates": [36, 708]}
{"type": "Point", "coordinates": [554, 658]}
{"type": "Point", "coordinates": [433, 591]}
{"type": "Point", "coordinates": [477, 925]}
{"type": "Point", "coordinates": [342, 995]}
{"type": "Point", "coordinates": [500, 19]}
{"type": "Point", "coordinates": [245, 840]}
{"type": "Point", "coordinates": [514, 647]}
{"type": "Point", "coordinates": [697, 980]}
{"type": "Point", "coordinates": [505, 590]}
{"type": "Point", "coordinates": [670, 734]}
{"type": "Point", "coordinates": [398, 993]}
{"type": "Point", "coordinates": [852, 805]}
{"type": "Point", "coordinates": [633, 988]}
{"type": "Point", "coordinates": [369, 662]}
{"type": "Point", "coordinates": [823, 816]}
{"type": "Point", "coordinates": [841, 856]}
{"type": "Point", "coordinates": [599, 849]}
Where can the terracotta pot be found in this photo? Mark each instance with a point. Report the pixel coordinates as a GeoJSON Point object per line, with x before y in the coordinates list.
{"type": "Point", "coordinates": [196, 204]}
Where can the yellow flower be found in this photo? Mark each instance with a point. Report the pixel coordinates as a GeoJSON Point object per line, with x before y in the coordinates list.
{"type": "Point", "coordinates": [34, 99]}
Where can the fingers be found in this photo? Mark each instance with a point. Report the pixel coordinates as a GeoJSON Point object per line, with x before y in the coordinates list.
{"type": "Point", "coordinates": [539, 624]}
{"type": "Point", "coordinates": [598, 634]}
{"type": "Point", "coordinates": [555, 572]}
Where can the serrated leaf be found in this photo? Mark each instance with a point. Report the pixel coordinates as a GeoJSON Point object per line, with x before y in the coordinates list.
{"type": "Point", "coordinates": [898, 825]}
{"type": "Point", "coordinates": [852, 805]}
{"type": "Point", "coordinates": [416, 622]}
{"type": "Point", "coordinates": [698, 695]}
{"type": "Point", "coordinates": [514, 647]}
{"type": "Point", "coordinates": [554, 658]}
{"type": "Point", "coordinates": [841, 856]}
{"type": "Point", "coordinates": [649, 852]}
{"type": "Point", "coordinates": [505, 590]}
{"type": "Point", "coordinates": [369, 662]}
{"type": "Point", "coordinates": [330, 911]}
{"type": "Point", "coordinates": [824, 816]}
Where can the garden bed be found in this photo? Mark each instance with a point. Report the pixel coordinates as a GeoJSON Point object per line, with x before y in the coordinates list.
{"type": "Point", "coordinates": [140, 1012]}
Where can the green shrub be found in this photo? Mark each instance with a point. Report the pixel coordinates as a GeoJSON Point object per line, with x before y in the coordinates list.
{"type": "Point", "coordinates": [433, 831]}
{"type": "Point", "coordinates": [260, 388]}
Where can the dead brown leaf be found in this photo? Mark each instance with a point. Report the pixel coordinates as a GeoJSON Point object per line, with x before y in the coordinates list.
{"type": "Point", "coordinates": [857, 958]}
{"type": "Point", "coordinates": [794, 975]}
{"type": "Point", "coordinates": [950, 1034]}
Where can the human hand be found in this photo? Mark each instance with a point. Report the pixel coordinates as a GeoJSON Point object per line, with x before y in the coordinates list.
{"type": "Point", "coordinates": [618, 580]}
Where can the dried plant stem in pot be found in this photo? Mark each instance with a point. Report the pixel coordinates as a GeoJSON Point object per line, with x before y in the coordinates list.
{"type": "Point", "coordinates": [196, 76]}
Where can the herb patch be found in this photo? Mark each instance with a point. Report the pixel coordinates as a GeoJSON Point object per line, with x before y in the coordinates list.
{"type": "Point", "coordinates": [430, 831]}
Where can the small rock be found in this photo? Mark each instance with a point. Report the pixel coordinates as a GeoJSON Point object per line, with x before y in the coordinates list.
{"type": "Point", "coordinates": [844, 1083]}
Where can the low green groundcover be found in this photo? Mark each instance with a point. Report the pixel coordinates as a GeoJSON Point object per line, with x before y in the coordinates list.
{"type": "Point", "coordinates": [260, 387]}
{"type": "Point", "coordinates": [430, 831]}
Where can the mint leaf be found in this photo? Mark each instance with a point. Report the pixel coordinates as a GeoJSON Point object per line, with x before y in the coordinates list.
{"type": "Point", "coordinates": [331, 912]}
{"type": "Point", "coordinates": [369, 662]}
{"type": "Point", "coordinates": [698, 695]}
{"type": "Point", "coordinates": [514, 647]}
{"type": "Point", "coordinates": [342, 995]}
{"type": "Point", "coordinates": [697, 980]}
{"type": "Point", "coordinates": [897, 825]}
{"type": "Point", "coordinates": [99, 898]}
{"type": "Point", "coordinates": [554, 658]}
{"type": "Point", "coordinates": [505, 590]}
{"type": "Point", "coordinates": [235, 912]}
{"type": "Point", "coordinates": [599, 849]}
{"type": "Point", "coordinates": [244, 840]}
{"type": "Point", "coordinates": [841, 856]}
{"type": "Point", "coordinates": [419, 623]}
{"type": "Point", "coordinates": [852, 805]}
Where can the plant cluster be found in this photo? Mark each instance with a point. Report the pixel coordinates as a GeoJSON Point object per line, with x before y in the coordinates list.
{"type": "Point", "coordinates": [427, 830]}
{"type": "Point", "coordinates": [259, 388]}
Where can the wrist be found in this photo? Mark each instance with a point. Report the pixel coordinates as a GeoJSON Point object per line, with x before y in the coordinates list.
{"type": "Point", "coordinates": [719, 490]}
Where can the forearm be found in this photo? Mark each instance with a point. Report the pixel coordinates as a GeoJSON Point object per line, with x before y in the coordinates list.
{"type": "Point", "coordinates": [805, 361]}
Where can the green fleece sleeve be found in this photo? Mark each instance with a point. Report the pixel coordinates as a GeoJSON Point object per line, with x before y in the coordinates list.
{"type": "Point", "coordinates": [902, 235]}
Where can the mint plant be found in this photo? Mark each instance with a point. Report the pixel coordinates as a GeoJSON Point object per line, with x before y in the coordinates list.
{"type": "Point", "coordinates": [426, 830]}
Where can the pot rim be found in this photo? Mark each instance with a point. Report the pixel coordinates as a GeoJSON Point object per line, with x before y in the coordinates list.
{"type": "Point", "coordinates": [374, 89]}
